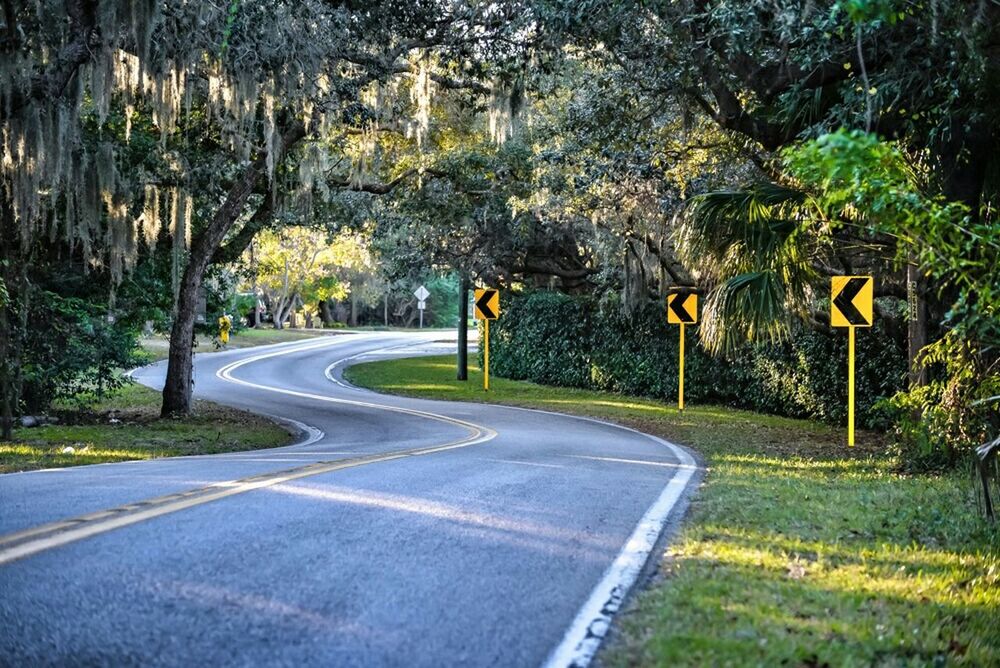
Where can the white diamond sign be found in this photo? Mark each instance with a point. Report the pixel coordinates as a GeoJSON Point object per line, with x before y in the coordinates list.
{"type": "Point", "coordinates": [421, 293]}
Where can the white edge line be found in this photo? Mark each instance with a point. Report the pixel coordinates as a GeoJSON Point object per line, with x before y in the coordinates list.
{"type": "Point", "coordinates": [310, 433]}
{"type": "Point", "coordinates": [584, 636]}
{"type": "Point", "coordinates": [328, 371]}
{"type": "Point", "coordinates": [590, 626]}
{"type": "Point", "coordinates": [479, 433]}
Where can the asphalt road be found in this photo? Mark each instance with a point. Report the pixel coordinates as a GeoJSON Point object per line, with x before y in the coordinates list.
{"type": "Point", "coordinates": [400, 533]}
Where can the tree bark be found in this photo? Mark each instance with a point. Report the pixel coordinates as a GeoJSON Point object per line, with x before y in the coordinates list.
{"type": "Point", "coordinates": [13, 318]}
{"type": "Point", "coordinates": [325, 313]}
{"type": "Point", "coordinates": [180, 380]}
{"type": "Point", "coordinates": [916, 325]}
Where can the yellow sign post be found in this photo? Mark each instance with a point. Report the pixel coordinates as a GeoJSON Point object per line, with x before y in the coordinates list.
{"type": "Point", "coordinates": [851, 306]}
{"type": "Point", "coordinates": [487, 307]}
{"type": "Point", "coordinates": [682, 309]}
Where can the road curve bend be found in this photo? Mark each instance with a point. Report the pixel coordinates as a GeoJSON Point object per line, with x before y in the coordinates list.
{"type": "Point", "coordinates": [397, 532]}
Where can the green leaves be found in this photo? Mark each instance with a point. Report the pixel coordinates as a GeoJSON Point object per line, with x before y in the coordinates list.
{"type": "Point", "coordinates": [234, 8]}
{"type": "Point", "coordinates": [867, 11]}
{"type": "Point", "coordinates": [855, 176]}
{"type": "Point", "coordinates": [752, 245]}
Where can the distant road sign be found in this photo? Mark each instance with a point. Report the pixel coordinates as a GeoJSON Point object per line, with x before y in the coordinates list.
{"type": "Point", "coordinates": [487, 304]}
{"type": "Point", "coordinates": [421, 305]}
{"type": "Point", "coordinates": [421, 294]}
{"type": "Point", "coordinates": [851, 301]}
{"type": "Point", "coordinates": [682, 308]}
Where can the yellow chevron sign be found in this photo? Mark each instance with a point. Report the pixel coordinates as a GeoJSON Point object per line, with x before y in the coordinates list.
{"type": "Point", "coordinates": [487, 304]}
{"type": "Point", "coordinates": [682, 308]}
{"type": "Point", "coordinates": [851, 301]}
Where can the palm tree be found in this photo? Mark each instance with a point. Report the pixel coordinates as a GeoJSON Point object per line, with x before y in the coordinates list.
{"type": "Point", "coordinates": [754, 249]}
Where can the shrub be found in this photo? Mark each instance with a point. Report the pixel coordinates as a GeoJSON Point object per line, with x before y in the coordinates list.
{"type": "Point", "coordinates": [74, 351]}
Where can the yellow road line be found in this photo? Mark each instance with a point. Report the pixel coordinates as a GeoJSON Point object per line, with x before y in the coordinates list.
{"type": "Point", "coordinates": [47, 536]}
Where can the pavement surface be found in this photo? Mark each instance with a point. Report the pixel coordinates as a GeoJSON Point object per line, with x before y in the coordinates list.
{"type": "Point", "coordinates": [399, 532]}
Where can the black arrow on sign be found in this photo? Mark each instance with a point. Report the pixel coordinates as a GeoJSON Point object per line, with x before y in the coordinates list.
{"type": "Point", "coordinates": [483, 304]}
{"type": "Point", "coordinates": [844, 301]}
{"type": "Point", "coordinates": [677, 306]}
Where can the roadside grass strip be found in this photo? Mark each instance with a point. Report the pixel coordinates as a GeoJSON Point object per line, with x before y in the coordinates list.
{"type": "Point", "coordinates": [126, 426]}
{"type": "Point", "coordinates": [797, 551]}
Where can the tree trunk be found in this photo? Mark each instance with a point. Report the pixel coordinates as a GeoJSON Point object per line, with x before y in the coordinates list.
{"type": "Point", "coordinates": [325, 313]}
{"type": "Point", "coordinates": [256, 291]}
{"type": "Point", "coordinates": [13, 321]}
{"type": "Point", "coordinates": [354, 310]}
{"type": "Point", "coordinates": [916, 325]}
{"type": "Point", "coordinates": [281, 312]}
{"type": "Point", "coordinates": [8, 362]}
{"type": "Point", "coordinates": [180, 378]}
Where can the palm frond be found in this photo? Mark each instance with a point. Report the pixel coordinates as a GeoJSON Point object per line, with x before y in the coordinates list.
{"type": "Point", "coordinates": [746, 307]}
{"type": "Point", "coordinates": [733, 226]}
{"type": "Point", "coordinates": [752, 250]}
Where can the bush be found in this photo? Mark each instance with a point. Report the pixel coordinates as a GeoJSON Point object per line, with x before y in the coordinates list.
{"type": "Point", "coordinates": [73, 350]}
{"type": "Point", "coordinates": [569, 341]}
{"type": "Point", "coordinates": [939, 424]}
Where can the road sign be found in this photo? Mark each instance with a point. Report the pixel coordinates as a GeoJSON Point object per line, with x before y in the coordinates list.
{"type": "Point", "coordinates": [682, 308]}
{"type": "Point", "coordinates": [421, 305]}
{"type": "Point", "coordinates": [487, 304]}
{"type": "Point", "coordinates": [851, 301]}
{"type": "Point", "coordinates": [487, 307]}
{"type": "Point", "coordinates": [421, 293]}
{"type": "Point", "coordinates": [851, 307]}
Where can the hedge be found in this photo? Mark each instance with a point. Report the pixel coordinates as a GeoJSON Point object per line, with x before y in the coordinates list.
{"type": "Point", "coordinates": [556, 339]}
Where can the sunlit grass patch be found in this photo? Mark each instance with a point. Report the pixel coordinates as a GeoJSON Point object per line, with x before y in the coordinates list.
{"type": "Point", "coordinates": [798, 551]}
{"type": "Point", "coordinates": [20, 456]}
{"type": "Point", "coordinates": [125, 425]}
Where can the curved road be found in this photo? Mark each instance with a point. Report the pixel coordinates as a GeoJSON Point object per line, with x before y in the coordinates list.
{"type": "Point", "coordinates": [399, 532]}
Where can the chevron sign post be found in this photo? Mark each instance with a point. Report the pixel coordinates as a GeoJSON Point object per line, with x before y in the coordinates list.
{"type": "Point", "coordinates": [682, 309]}
{"type": "Point", "coordinates": [851, 306]}
{"type": "Point", "coordinates": [486, 308]}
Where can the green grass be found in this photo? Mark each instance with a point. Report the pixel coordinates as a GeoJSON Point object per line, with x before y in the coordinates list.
{"type": "Point", "coordinates": [157, 347]}
{"type": "Point", "coordinates": [127, 426]}
{"type": "Point", "coordinates": [797, 551]}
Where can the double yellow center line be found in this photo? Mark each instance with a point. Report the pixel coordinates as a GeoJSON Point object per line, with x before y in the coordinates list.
{"type": "Point", "coordinates": [55, 534]}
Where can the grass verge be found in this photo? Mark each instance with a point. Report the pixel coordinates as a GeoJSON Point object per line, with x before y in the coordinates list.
{"type": "Point", "coordinates": [127, 426]}
{"type": "Point", "coordinates": [797, 551]}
